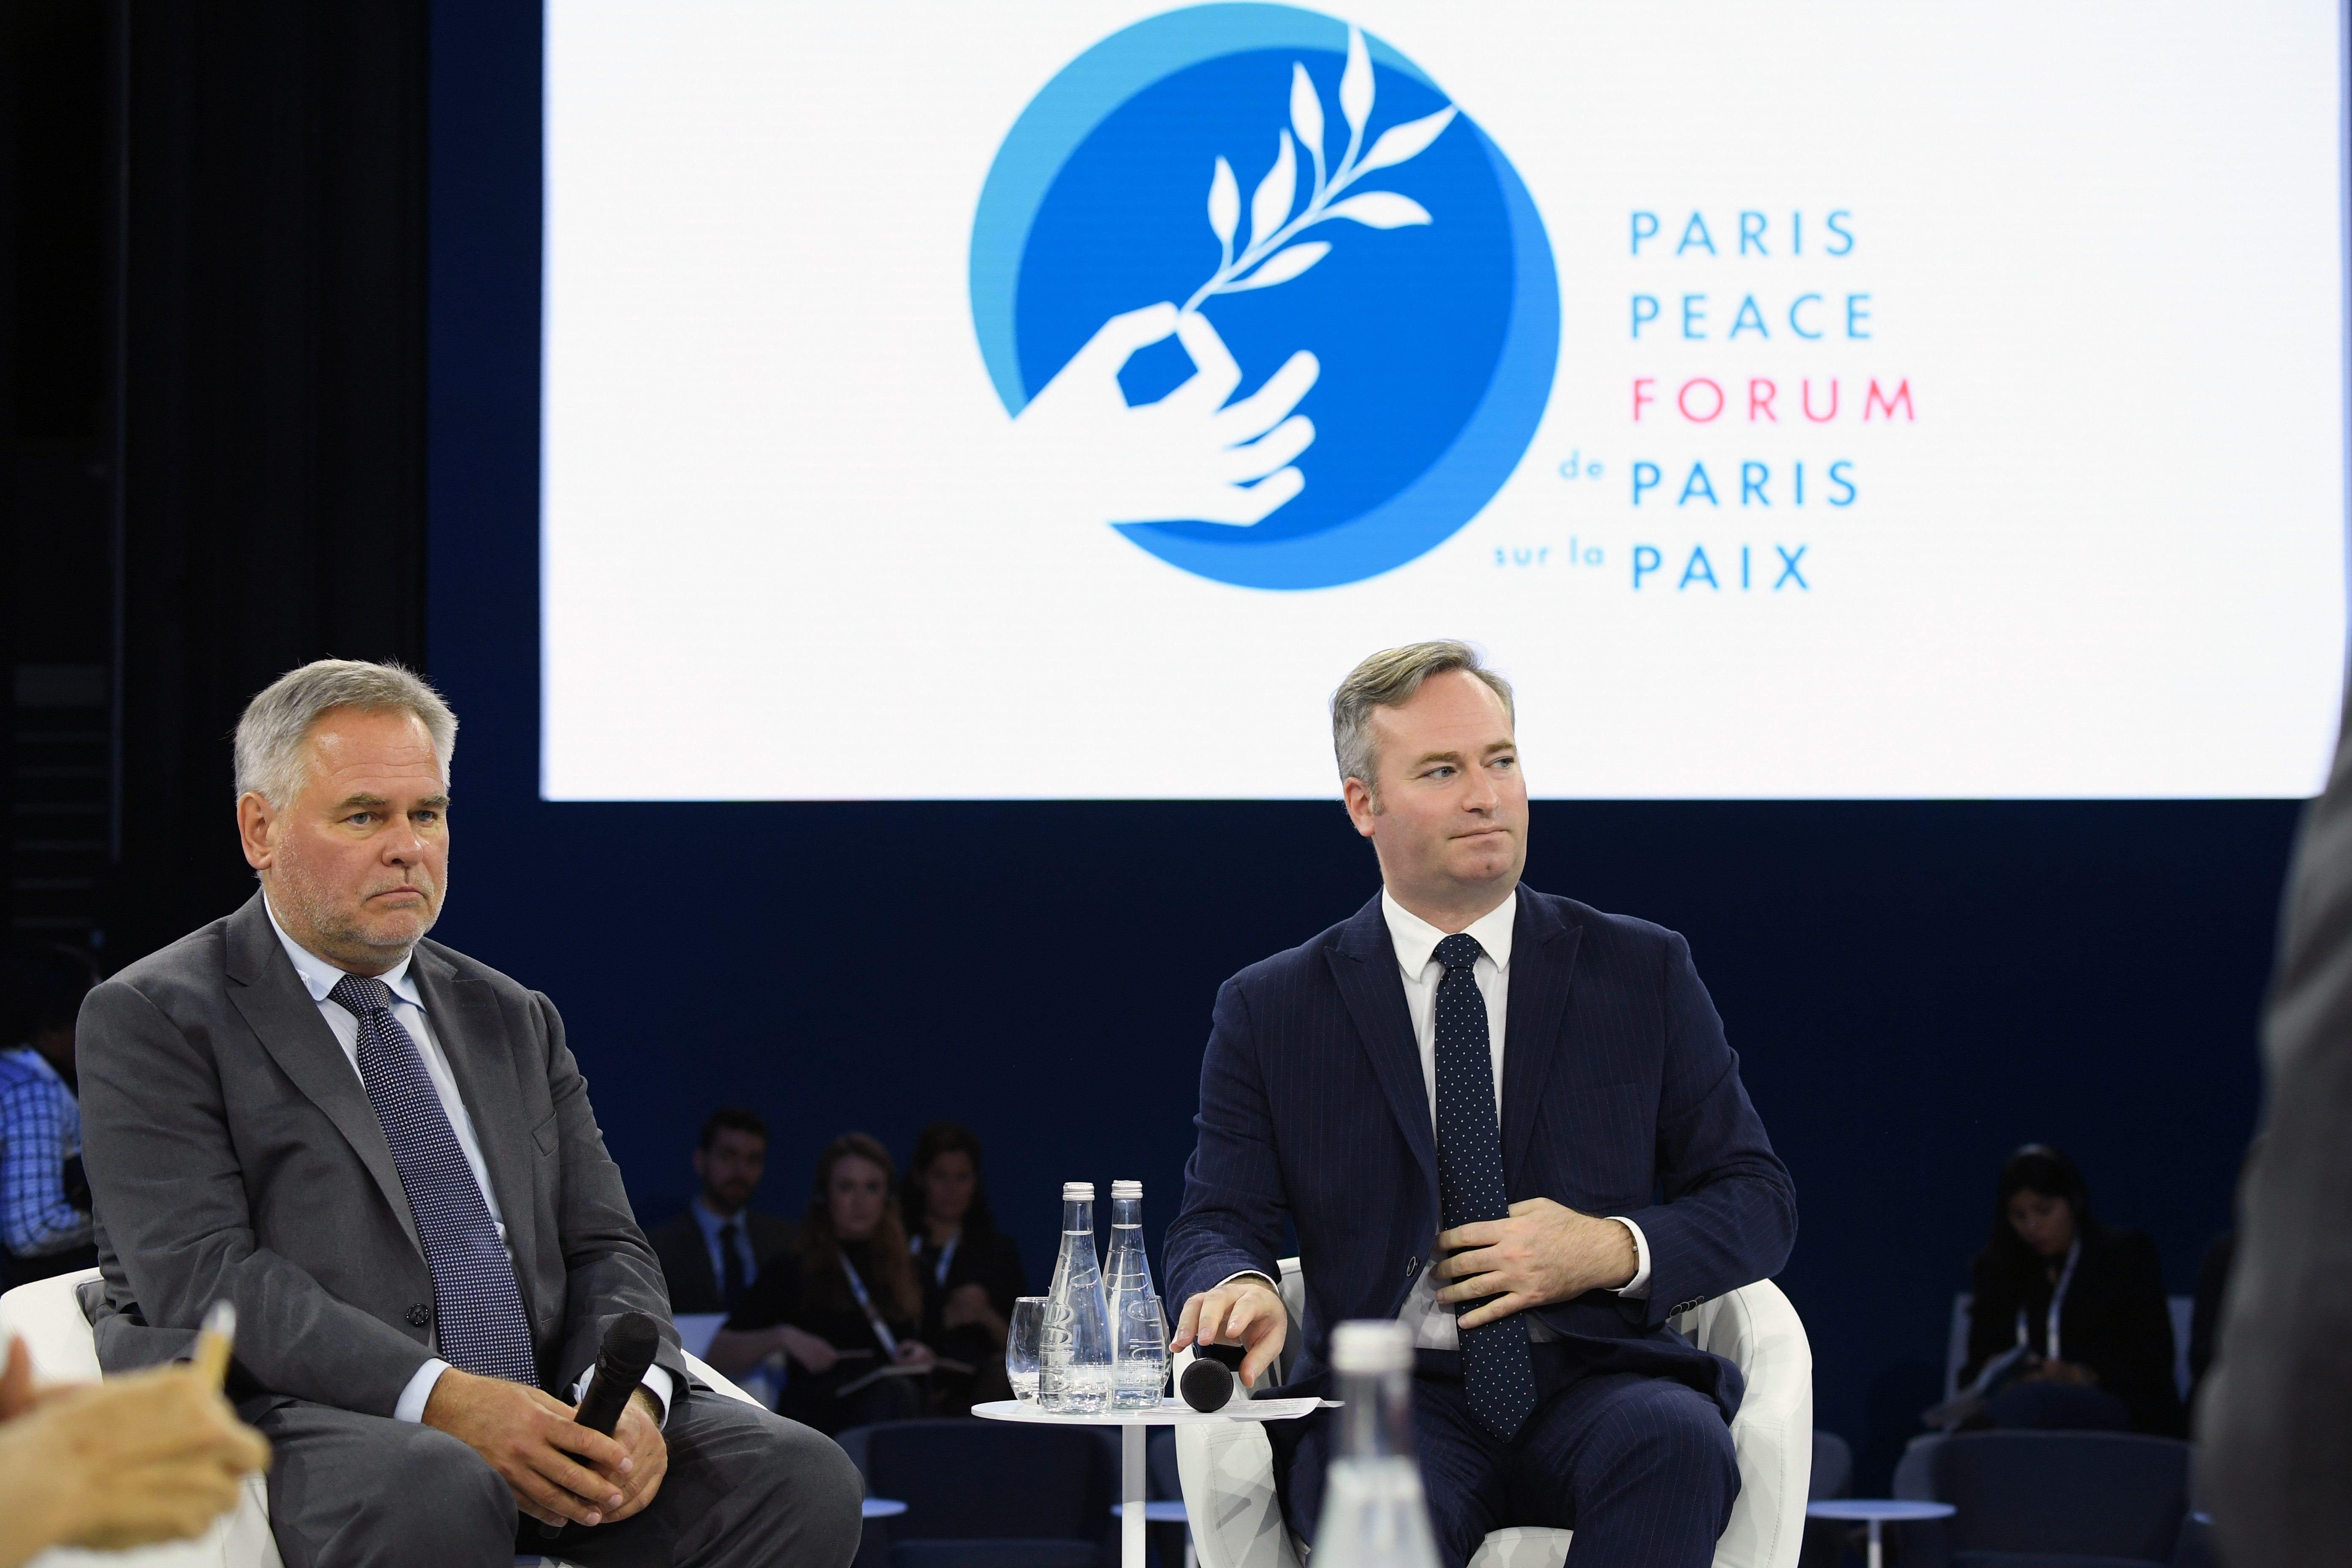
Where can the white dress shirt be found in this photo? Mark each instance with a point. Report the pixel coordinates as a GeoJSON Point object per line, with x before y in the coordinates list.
{"type": "Point", "coordinates": [319, 977]}
{"type": "Point", "coordinates": [1415, 941]}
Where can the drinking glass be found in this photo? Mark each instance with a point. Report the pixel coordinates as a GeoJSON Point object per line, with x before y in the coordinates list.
{"type": "Point", "coordinates": [1020, 1339]}
{"type": "Point", "coordinates": [1142, 1352]}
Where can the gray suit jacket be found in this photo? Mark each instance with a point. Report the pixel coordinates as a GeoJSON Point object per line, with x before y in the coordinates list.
{"type": "Point", "coordinates": [233, 1154]}
{"type": "Point", "coordinates": [2274, 1447]}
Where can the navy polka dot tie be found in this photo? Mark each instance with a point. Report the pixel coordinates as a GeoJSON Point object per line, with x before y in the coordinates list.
{"type": "Point", "coordinates": [479, 1318]}
{"type": "Point", "coordinates": [1497, 1373]}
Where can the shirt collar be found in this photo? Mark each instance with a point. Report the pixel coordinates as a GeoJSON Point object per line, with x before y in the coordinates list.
{"type": "Point", "coordinates": [1415, 940]}
{"type": "Point", "coordinates": [319, 976]}
{"type": "Point", "coordinates": [711, 1223]}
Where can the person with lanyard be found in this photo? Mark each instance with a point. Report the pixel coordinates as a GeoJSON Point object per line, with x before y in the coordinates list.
{"type": "Point", "coordinates": [2069, 1317]}
{"type": "Point", "coordinates": [970, 1271]}
{"type": "Point", "coordinates": [847, 1313]}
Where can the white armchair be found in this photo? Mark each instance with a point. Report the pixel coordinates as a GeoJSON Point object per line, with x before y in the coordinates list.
{"type": "Point", "coordinates": [50, 1317]}
{"type": "Point", "coordinates": [1227, 1468]}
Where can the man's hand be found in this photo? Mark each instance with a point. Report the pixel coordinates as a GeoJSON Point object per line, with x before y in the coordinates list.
{"type": "Point", "coordinates": [639, 1432]}
{"type": "Point", "coordinates": [1243, 1311]}
{"type": "Point", "coordinates": [530, 1438]}
{"type": "Point", "coordinates": [1544, 1252]}
{"type": "Point", "coordinates": [156, 1455]}
{"type": "Point", "coordinates": [914, 1352]}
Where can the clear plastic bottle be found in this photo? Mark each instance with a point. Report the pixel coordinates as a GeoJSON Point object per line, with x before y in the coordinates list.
{"type": "Point", "coordinates": [1074, 1357]}
{"type": "Point", "coordinates": [1374, 1513]}
{"type": "Point", "coordinates": [1138, 1377]}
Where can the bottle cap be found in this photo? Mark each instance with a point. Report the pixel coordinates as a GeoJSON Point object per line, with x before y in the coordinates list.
{"type": "Point", "coordinates": [1381, 1345]}
{"type": "Point", "coordinates": [1126, 1190]}
{"type": "Point", "coordinates": [1077, 1192]}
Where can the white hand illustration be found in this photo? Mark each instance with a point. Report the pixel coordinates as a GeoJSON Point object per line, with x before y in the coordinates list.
{"type": "Point", "coordinates": [1185, 457]}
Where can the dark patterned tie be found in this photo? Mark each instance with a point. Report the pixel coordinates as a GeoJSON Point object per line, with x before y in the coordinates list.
{"type": "Point", "coordinates": [479, 1316]}
{"type": "Point", "coordinates": [730, 1260]}
{"type": "Point", "coordinates": [1497, 1373]}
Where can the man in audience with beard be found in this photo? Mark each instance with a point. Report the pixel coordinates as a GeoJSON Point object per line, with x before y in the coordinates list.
{"type": "Point", "coordinates": [711, 1254]}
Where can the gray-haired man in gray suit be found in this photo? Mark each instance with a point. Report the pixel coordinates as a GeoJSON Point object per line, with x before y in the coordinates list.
{"type": "Point", "coordinates": [382, 1152]}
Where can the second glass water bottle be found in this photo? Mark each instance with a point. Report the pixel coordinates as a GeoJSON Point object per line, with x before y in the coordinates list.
{"type": "Point", "coordinates": [1138, 1335]}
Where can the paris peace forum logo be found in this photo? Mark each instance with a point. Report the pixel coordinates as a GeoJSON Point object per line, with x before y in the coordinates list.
{"type": "Point", "coordinates": [1257, 293]}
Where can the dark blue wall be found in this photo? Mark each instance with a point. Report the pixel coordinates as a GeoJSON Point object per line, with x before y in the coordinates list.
{"type": "Point", "coordinates": [1916, 989]}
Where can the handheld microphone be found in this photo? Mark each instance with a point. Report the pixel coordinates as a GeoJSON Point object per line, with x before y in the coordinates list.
{"type": "Point", "coordinates": [1211, 1383]}
{"type": "Point", "coordinates": [628, 1350]}
{"type": "Point", "coordinates": [630, 1346]}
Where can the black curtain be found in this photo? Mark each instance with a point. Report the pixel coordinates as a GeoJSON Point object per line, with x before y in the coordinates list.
{"type": "Point", "coordinates": [273, 399]}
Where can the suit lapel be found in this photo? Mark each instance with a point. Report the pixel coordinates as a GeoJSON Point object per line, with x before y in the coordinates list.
{"type": "Point", "coordinates": [469, 1027]}
{"type": "Point", "coordinates": [271, 998]}
{"type": "Point", "coordinates": [1543, 965]}
{"type": "Point", "coordinates": [1363, 962]}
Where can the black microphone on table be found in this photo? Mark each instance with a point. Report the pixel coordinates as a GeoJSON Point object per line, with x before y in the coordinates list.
{"type": "Point", "coordinates": [629, 1348]}
{"type": "Point", "coordinates": [1214, 1380]}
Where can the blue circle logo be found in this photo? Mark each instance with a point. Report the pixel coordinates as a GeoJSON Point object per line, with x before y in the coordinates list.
{"type": "Point", "coordinates": [1258, 295]}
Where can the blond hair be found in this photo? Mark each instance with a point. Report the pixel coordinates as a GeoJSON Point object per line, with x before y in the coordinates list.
{"type": "Point", "coordinates": [1389, 679]}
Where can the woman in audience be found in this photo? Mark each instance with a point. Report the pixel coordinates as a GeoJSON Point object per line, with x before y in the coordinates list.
{"type": "Point", "coordinates": [2077, 1308]}
{"type": "Point", "coordinates": [970, 1271]}
{"type": "Point", "coordinates": [845, 1312]}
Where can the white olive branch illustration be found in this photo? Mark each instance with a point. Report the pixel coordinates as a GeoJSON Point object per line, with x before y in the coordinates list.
{"type": "Point", "coordinates": [1269, 257]}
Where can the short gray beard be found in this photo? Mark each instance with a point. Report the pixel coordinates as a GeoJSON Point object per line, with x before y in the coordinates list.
{"type": "Point", "coordinates": [300, 892]}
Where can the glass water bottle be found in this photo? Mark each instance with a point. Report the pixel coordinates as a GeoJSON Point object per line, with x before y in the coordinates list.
{"type": "Point", "coordinates": [1374, 1514]}
{"type": "Point", "coordinates": [1073, 1356]}
{"type": "Point", "coordinates": [1138, 1342]}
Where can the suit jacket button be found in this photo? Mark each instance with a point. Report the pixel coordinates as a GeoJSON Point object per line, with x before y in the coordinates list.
{"type": "Point", "coordinates": [418, 1317]}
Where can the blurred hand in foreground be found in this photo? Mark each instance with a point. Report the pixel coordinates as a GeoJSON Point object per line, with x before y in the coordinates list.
{"type": "Point", "coordinates": [156, 1455]}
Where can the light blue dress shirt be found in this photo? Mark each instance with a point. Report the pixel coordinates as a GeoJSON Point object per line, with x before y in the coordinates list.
{"type": "Point", "coordinates": [319, 978]}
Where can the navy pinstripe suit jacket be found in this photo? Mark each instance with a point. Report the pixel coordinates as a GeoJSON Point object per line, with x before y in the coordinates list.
{"type": "Point", "coordinates": [1620, 1096]}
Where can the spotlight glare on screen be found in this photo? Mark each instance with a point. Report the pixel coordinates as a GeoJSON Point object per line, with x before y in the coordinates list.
{"type": "Point", "coordinates": [1795, 400]}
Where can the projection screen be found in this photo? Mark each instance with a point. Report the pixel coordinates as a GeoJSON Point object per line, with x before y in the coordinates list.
{"type": "Point", "coordinates": [1793, 399]}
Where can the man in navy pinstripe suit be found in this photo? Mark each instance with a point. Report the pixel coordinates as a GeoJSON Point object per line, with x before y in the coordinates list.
{"type": "Point", "coordinates": [1507, 1118]}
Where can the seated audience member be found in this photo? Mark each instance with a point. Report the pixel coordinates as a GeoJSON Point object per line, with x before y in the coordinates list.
{"type": "Point", "coordinates": [970, 1271]}
{"type": "Point", "coordinates": [847, 1315]}
{"type": "Point", "coordinates": [2078, 1306]}
{"type": "Point", "coordinates": [383, 1153]}
{"type": "Point", "coordinates": [154, 1457]}
{"type": "Point", "coordinates": [712, 1252]}
{"type": "Point", "coordinates": [44, 1199]}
